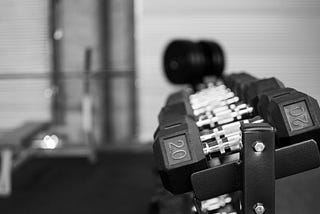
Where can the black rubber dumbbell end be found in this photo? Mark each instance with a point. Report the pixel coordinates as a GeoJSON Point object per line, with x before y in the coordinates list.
{"type": "Point", "coordinates": [215, 59]}
{"type": "Point", "coordinates": [183, 62]}
{"type": "Point", "coordinates": [187, 62]}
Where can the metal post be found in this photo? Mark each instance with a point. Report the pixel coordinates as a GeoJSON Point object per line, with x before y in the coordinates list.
{"type": "Point", "coordinates": [119, 78]}
{"type": "Point", "coordinates": [57, 90]}
{"type": "Point", "coordinates": [258, 168]}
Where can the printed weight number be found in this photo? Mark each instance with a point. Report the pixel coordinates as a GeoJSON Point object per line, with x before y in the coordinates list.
{"type": "Point", "coordinates": [298, 116]}
{"type": "Point", "coordinates": [177, 150]}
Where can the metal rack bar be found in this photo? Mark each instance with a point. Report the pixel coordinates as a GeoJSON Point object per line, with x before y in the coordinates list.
{"type": "Point", "coordinates": [258, 178]}
{"type": "Point", "coordinates": [227, 178]}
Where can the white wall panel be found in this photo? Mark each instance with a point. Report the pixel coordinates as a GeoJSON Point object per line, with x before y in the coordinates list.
{"type": "Point", "coordinates": [264, 38]}
{"type": "Point", "coordinates": [24, 48]}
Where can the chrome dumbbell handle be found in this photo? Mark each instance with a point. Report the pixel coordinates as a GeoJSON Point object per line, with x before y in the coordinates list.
{"type": "Point", "coordinates": [228, 129]}
{"type": "Point", "coordinates": [225, 117]}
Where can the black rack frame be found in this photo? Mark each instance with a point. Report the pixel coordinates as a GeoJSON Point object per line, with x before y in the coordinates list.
{"type": "Point", "coordinates": [255, 173]}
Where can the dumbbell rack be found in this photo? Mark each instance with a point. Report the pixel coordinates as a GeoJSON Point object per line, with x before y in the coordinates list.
{"type": "Point", "coordinates": [255, 172]}
{"type": "Point", "coordinates": [284, 143]}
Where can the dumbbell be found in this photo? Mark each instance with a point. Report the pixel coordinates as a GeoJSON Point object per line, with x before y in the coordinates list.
{"type": "Point", "coordinates": [179, 153]}
{"type": "Point", "coordinates": [265, 98]}
{"type": "Point", "coordinates": [209, 95]}
{"type": "Point", "coordinates": [229, 117]}
{"type": "Point", "coordinates": [182, 138]}
{"type": "Point", "coordinates": [219, 110]}
{"type": "Point", "coordinates": [227, 129]}
{"type": "Point", "coordinates": [184, 97]}
{"type": "Point", "coordinates": [197, 100]}
{"type": "Point", "coordinates": [217, 116]}
{"type": "Point", "coordinates": [238, 82]}
{"type": "Point", "coordinates": [295, 115]}
{"type": "Point", "coordinates": [181, 150]}
{"type": "Point", "coordinates": [187, 62]}
{"type": "Point", "coordinates": [248, 87]}
{"type": "Point", "coordinates": [254, 89]}
{"type": "Point", "coordinates": [295, 107]}
{"type": "Point", "coordinates": [202, 102]}
{"type": "Point", "coordinates": [179, 97]}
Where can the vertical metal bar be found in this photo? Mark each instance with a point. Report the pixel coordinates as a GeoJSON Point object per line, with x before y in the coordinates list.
{"type": "Point", "coordinates": [258, 169]}
{"type": "Point", "coordinates": [5, 172]}
{"type": "Point", "coordinates": [56, 85]}
{"type": "Point", "coordinates": [86, 107]}
{"type": "Point", "coordinates": [118, 56]}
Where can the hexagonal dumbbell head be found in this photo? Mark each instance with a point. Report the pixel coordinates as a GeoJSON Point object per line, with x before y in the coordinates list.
{"type": "Point", "coordinates": [261, 86]}
{"type": "Point", "coordinates": [177, 106]}
{"type": "Point", "coordinates": [230, 79]}
{"type": "Point", "coordinates": [242, 81]}
{"type": "Point", "coordinates": [237, 82]}
{"type": "Point", "coordinates": [174, 112]}
{"type": "Point", "coordinates": [296, 117]}
{"type": "Point", "coordinates": [265, 98]}
{"type": "Point", "coordinates": [179, 153]}
{"type": "Point", "coordinates": [178, 97]}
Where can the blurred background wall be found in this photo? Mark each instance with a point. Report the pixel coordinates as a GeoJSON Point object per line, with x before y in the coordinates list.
{"type": "Point", "coordinates": [49, 60]}
{"type": "Point", "coordinates": [79, 22]}
{"type": "Point", "coordinates": [25, 55]}
{"type": "Point", "coordinates": [265, 38]}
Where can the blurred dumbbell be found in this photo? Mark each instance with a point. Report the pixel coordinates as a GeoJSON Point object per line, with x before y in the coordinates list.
{"type": "Point", "coordinates": [178, 97]}
{"type": "Point", "coordinates": [295, 115]}
{"type": "Point", "coordinates": [213, 107]}
{"type": "Point", "coordinates": [248, 88]}
{"type": "Point", "coordinates": [265, 98]}
{"type": "Point", "coordinates": [208, 98]}
{"type": "Point", "coordinates": [203, 97]}
{"type": "Point", "coordinates": [255, 88]}
{"type": "Point", "coordinates": [221, 112]}
{"type": "Point", "coordinates": [242, 111]}
{"type": "Point", "coordinates": [181, 150]}
{"type": "Point", "coordinates": [201, 100]}
{"type": "Point", "coordinates": [187, 62]}
{"type": "Point", "coordinates": [229, 115]}
{"type": "Point", "coordinates": [238, 82]}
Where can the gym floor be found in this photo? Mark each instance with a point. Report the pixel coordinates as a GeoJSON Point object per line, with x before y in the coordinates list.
{"type": "Point", "coordinates": [122, 181]}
